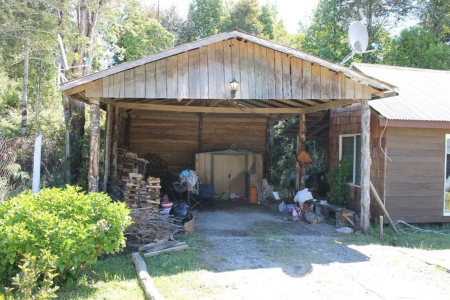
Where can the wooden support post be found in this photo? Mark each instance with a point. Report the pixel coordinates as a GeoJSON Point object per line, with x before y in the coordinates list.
{"type": "Point", "coordinates": [94, 149]}
{"type": "Point", "coordinates": [381, 228]}
{"type": "Point", "coordinates": [115, 142]}
{"type": "Point", "coordinates": [365, 166]}
{"type": "Point", "coordinates": [127, 132]}
{"type": "Point", "coordinates": [107, 154]}
{"type": "Point", "coordinates": [301, 146]}
{"type": "Point", "coordinates": [326, 154]}
{"type": "Point", "coordinates": [269, 150]}
{"type": "Point", "coordinates": [200, 132]}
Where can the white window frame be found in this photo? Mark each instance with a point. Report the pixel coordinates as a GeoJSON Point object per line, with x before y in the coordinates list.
{"type": "Point", "coordinates": [447, 137]}
{"type": "Point", "coordinates": [354, 155]}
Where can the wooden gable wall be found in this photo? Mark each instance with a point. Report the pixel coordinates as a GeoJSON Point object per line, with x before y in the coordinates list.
{"type": "Point", "coordinates": [206, 73]}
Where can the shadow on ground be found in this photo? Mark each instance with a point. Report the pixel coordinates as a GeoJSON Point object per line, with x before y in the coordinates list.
{"type": "Point", "coordinates": [251, 236]}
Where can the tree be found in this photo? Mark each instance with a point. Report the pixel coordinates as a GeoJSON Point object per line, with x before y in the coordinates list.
{"type": "Point", "coordinates": [245, 15]}
{"type": "Point", "coordinates": [205, 18]}
{"type": "Point", "coordinates": [434, 16]}
{"type": "Point", "coordinates": [327, 34]}
{"type": "Point", "coordinates": [419, 48]}
{"type": "Point", "coordinates": [268, 18]}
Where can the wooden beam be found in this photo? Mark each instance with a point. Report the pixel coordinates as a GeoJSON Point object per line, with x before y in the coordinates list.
{"type": "Point", "coordinates": [200, 132]}
{"type": "Point", "coordinates": [316, 131]}
{"type": "Point", "coordinates": [199, 109]}
{"type": "Point", "coordinates": [94, 145]}
{"type": "Point", "coordinates": [189, 102]}
{"type": "Point", "coordinates": [365, 166]}
{"type": "Point", "coordinates": [380, 203]}
{"type": "Point", "coordinates": [108, 135]}
{"type": "Point", "coordinates": [115, 142]}
{"type": "Point", "coordinates": [327, 106]}
{"type": "Point", "coordinates": [319, 118]}
{"type": "Point", "coordinates": [127, 132]}
{"type": "Point", "coordinates": [267, 174]}
{"type": "Point", "coordinates": [300, 147]}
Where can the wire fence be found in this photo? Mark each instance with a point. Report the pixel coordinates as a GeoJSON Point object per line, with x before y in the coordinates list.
{"type": "Point", "coordinates": [16, 164]}
{"type": "Point", "coordinates": [13, 177]}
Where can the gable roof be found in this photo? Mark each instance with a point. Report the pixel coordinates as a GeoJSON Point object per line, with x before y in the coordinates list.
{"type": "Point", "coordinates": [352, 74]}
{"type": "Point", "coordinates": [423, 93]}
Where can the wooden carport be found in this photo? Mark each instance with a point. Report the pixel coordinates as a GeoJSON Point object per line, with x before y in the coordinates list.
{"type": "Point", "coordinates": [275, 82]}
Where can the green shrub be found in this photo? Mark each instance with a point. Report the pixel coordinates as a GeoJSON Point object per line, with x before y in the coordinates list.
{"type": "Point", "coordinates": [74, 226]}
{"type": "Point", "coordinates": [338, 181]}
{"type": "Point", "coordinates": [35, 280]}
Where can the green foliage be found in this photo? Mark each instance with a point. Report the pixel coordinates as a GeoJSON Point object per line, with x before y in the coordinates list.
{"type": "Point", "coordinates": [205, 18]}
{"type": "Point", "coordinates": [338, 181]}
{"type": "Point", "coordinates": [245, 15]}
{"type": "Point", "coordinates": [434, 16]}
{"type": "Point", "coordinates": [138, 34]}
{"type": "Point", "coordinates": [419, 48]}
{"type": "Point", "coordinates": [74, 226]}
{"type": "Point", "coordinates": [284, 159]}
{"type": "Point", "coordinates": [35, 279]}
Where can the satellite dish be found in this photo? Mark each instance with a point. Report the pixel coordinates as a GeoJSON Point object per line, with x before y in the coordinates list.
{"type": "Point", "coordinates": [358, 37]}
{"type": "Point", "coordinates": [63, 53]}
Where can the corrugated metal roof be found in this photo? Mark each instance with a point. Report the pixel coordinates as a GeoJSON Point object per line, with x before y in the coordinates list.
{"type": "Point", "coordinates": [424, 94]}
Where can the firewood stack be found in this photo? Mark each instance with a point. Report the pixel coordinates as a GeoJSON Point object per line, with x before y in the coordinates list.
{"type": "Point", "coordinates": [132, 189]}
{"type": "Point", "coordinates": [153, 194]}
{"type": "Point", "coordinates": [157, 167]}
{"type": "Point", "coordinates": [128, 165]}
{"type": "Point", "coordinates": [120, 157]}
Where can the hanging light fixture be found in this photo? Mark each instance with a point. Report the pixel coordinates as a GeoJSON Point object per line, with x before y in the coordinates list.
{"type": "Point", "coordinates": [234, 87]}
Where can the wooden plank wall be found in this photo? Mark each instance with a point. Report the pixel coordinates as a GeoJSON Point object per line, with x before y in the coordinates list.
{"type": "Point", "coordinates": [174, 136]}
{"type": "Point", "coordinates": [415, 177]}
{"type": "Point", "coordinates": [347, 120]}
{"type": "Point", "coordinates": [205, 73]}
{"type": "Point", "coordinates": [222, 131]}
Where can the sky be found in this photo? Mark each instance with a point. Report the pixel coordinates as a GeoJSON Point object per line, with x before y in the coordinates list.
{"type": "Point", "coordinates": [291, 11]}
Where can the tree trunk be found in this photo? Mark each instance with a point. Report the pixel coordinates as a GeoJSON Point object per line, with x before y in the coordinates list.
{"type": "Point", "coordinates": [94, 148]}
{"type": "Point", "coordinates": [87, 21]}
{"type": "Point", "coordinates": [26, 60]}
{"type": "Point", "coordinates": [365, 165]}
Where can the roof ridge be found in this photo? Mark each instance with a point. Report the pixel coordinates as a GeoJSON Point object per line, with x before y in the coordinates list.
{"type": "Point", "coordinates": [400, 68]}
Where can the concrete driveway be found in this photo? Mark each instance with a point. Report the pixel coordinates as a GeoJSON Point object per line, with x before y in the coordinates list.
{"type": "Point", "coordinates": [256, 254]}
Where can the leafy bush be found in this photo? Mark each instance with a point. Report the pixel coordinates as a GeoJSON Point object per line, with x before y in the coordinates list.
{"type": "Point", "coordinates": [35, 281]}
{"type": "Point", "coordinates": [74, 226]}
{"type": "Point", "coordinates": [338, 181]}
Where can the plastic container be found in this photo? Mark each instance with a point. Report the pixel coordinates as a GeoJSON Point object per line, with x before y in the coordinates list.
{"type": "Point", "coordinates": [253, 196]}
{"type": "Point", "coordinates": [166, 207]}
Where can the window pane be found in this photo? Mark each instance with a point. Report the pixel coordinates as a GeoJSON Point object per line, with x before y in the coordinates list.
{"type": "Point", "coordinates": [358, 160]}
{"type": "Point", "coordinates": [447, 174]}
{"type": "Point", "coordinates": [348, 151]}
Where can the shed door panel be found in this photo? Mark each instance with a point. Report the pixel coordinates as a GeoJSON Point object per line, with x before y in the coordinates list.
{"type": "Point", "coordinates": [221, 172]}
{"type": "Point", "coordinates": [237, 174]}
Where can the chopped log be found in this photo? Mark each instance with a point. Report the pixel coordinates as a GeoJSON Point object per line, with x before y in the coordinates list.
{"type": "Point", "coordinates": [173, 249]}
{"type": "Point", "coordinates": [150, 290]}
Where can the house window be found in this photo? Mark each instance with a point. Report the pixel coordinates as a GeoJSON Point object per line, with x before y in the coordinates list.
{"type": "Point", "coordinates": [447, 176]}
{"type": "Point", "coordinates": [350, 146]}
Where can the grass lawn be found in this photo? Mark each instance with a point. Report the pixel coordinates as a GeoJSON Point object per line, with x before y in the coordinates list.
{"type": "Point", "coordinates": [405, 238]}
{"type": "Point", "coordinates": [114, 277]}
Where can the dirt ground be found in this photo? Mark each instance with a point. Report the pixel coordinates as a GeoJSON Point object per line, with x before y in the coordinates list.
{"type": "Point", "coordinates": [255, 254]}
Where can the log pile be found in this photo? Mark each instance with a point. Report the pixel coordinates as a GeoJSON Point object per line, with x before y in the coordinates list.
{"type": "Point", "coordinates": [148, 227]}
{"type": "Point", "coordinates": [128, 162]}
{"type": "Point", "coordinates": [157, 167]}
{"type": "Point", "coordinates": [153, 190]}
{"type": "Point", "coordinates": [132, 189]}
